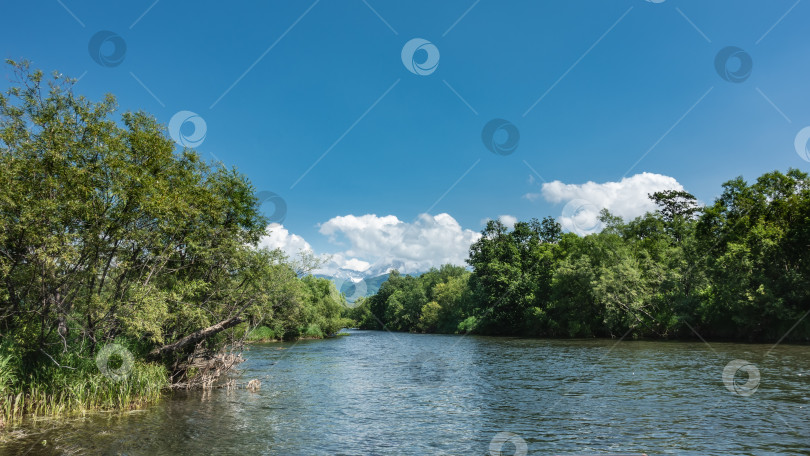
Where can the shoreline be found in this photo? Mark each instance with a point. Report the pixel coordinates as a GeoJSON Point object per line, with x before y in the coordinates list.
{"type": "Point", "coordinates": [615, 339]}
{"type": "Point", "coordinates": [63, 407]}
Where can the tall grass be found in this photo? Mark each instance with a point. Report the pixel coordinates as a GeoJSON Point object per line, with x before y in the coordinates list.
{"type": "Point", "coordinates": [262, 334]}
{"type": "Point", "coordinates": [7, 378]}
{"type": "Point", "coordinates": [55, 394]}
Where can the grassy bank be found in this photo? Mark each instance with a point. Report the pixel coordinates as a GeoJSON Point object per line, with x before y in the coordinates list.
{"type": "Point", "coordinates": [56, 392]}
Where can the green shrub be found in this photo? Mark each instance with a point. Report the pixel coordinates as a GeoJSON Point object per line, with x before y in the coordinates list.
{"type": "Point", "coordinates": [312, 331]}
{"type": "Point", "coordinates": [468, 325]}
{"type": "Point", "coordinates": [262, 334]}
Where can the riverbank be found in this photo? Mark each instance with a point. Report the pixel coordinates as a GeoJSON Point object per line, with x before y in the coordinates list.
{"type": "Point", "coordinates": [680, 338]}
{"type": "Point", "coordinates": [86, 392]}
{"type": "Point", "coordinates": [150, 272]}
{"type": "Point", "coordinates": [736, 269]}
{"type": "Point", "coordinates": [263, 334]}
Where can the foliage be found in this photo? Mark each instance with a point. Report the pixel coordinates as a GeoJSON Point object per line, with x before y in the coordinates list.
{"type": "Point", "coordinates": [433, 302]}
{"type": "Point", "coordinates": [739, 268]}
{"type": "Point", "coordinates": [107, 234]}
{"type": "Point", "coordinates": [322, 308]}
{"type": "Point", "coordinates": [262, 334]}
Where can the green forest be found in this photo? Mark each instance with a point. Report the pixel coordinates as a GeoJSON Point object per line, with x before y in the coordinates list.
{"type": "Point", "coordinates": [736, 269]}
{"type": "Point", "coordinates": [114, 245]}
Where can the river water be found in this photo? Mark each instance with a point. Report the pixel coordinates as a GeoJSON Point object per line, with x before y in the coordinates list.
{"type": "Point", "coordinates": [374, 392]}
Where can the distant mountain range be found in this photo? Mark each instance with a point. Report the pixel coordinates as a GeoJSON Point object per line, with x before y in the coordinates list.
{"type": "Point", "coordinates": [357, 287]}
{"type": "Point", "coordinates": [354, 284]}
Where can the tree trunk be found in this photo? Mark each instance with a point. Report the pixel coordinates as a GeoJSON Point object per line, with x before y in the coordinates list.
{"type": "Point", "coordinates": [195, 337]}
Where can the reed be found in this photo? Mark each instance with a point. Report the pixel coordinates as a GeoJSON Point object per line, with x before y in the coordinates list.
{"type": "Point", "coordinates": [83, 392]}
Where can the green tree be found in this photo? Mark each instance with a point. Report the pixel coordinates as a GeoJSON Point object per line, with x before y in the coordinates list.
{"type": "Point", "coordinates": [109, 234]}
{"type": "Point", "coordinates": [753, 236]}
{"type": "Point", "coordinates": [429, 318]}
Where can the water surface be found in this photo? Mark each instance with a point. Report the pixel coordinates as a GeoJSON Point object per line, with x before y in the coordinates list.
{"type": "Point", "coordinates": [373, 393]}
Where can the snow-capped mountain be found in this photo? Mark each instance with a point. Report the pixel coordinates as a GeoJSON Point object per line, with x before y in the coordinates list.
{"type": "Point", "coordinates": [356, 284]}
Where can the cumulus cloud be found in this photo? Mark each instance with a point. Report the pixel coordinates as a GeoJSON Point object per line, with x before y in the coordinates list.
{"type": "Point", "coordinates": [412, 247]}
{"type": "Point", "coordinates": [508, 220]}
{"type": "Point", "coordinates": [355, 264]}
{"type": "Point", "coordinates": [292, 245]}
{"type": "Point", "coordinates": [626, 198]}
{"type": "Point", "coordinates": [280, 238]}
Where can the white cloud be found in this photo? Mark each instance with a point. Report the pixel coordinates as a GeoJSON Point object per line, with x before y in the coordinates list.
{"type": "Point", "coordinates": [413, 247]}
{"type": "Point", "coordinates": [532, 196]}
{"type": "Point", "coordinates": [508, 220]}
{"type": "Point", "coordinates": [280, 238]}
{"type": "Point", "coordinates": [356, 264]}
{"type": "Point", "coordinates": [626, 198]}
{"type": "Point", "coordinates": [292, 245]}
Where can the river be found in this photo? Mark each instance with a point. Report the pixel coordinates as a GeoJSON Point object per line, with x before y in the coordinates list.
{"type": "Point", "coordinates": [374, 392]}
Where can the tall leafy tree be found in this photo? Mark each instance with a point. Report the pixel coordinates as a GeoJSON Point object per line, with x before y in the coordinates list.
{"type": "Point", "coordinates": [108, 233]}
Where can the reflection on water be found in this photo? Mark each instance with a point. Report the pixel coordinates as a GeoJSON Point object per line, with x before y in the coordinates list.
{"type": "Point", "coordinates": [403, 394]}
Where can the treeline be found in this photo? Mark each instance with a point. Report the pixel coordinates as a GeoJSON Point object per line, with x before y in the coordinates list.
{"type": "Point", "coordinates": [108, 236]}
{"type": "Point", "coordinates": [736, 269]}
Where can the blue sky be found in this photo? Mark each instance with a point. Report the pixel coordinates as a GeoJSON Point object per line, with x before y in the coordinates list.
{"type": "Point", "coordinates": [592, 86]}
